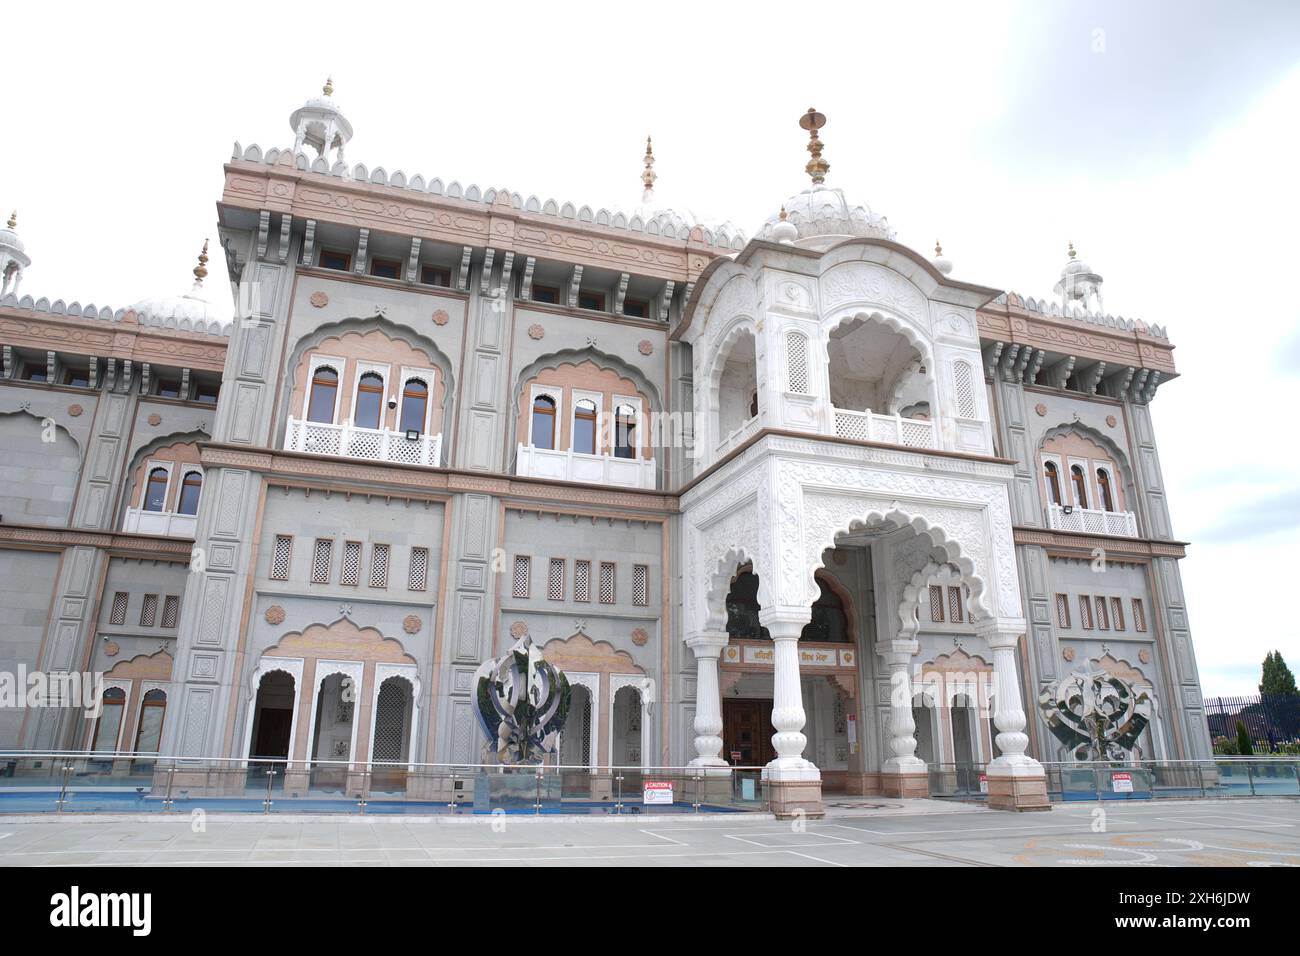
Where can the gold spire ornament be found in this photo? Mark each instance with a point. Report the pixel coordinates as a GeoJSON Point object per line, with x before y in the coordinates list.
{"type": "Point", "coordinates": [817, 167]}
{"type": "Point", "coordinates": [648, 176]}
{"type": "Point", "coordinates": [201, 270]}
{"type": "Point", "coordinates": [784, 215]}
{"type": "Point", "coordinates": [1071, 248]}
{"type": "Point", "coordinates": [328, 88]}
{"type": "Point", "coordinates": [13, 220]}
{"type": "Point", "coordinates": [938, 249]}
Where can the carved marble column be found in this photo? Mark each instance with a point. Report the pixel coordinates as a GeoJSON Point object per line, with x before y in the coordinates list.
{"type": "Point", "coordinates": [794, 783]}
{"type": "Point", "coordinates": [707, 648]}
{"type": "Point", "coordinates": [1016, 780]}
{"type": "Point", "coordinates": [903, 774]}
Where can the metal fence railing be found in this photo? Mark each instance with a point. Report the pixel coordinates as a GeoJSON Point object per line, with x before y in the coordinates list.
{"type": "Point", "coordinates": [61, 782]}
{"type": "Point", "coordinates": [1272, 722]}
{"type": "Point", "coordinates": [1136, 779]}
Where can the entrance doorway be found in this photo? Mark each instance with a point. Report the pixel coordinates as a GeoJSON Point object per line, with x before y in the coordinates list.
{"type": "Point", "coordinates": [747, 731]}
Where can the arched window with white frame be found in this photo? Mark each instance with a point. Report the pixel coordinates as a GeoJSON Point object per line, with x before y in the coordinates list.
{"type": "Point", "coordinates": [323, 394]}
{"type": "Point", "coordinates": [584, 426]}
{"type": "Point", "coordinates": [543, 420]}
{"type": "Point", "coordinates": [368, 408]}
{"type": "Point", "coordinates": [155, 489]}
{"type": "Point", "coordinates": [191, 489]}
{"type": "Point", "coordinates": [1052, 482]}
{"type": "Point", "coordinates": [415, 405]}
{"type": "Point", "coordinates": [1106, 496]}
{"type": "Point", "coordinates": [625, 424]}
{"type": "Point", "coordinates": [1080, 483]}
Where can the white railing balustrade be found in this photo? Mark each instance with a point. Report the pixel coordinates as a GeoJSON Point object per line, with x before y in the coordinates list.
{"type": "Point", "coordinates": [892, 429]}
{"type": "Point", "coordinates": [560, 465]}
{"type": "Point", "coordinates": [738, 437]}
{"type": "Point", "coordinates": [374, 444]}
{"type": "Point", "coordinates": [1092, 521]}
{"type": "Point", "coordinates": [166, 523]}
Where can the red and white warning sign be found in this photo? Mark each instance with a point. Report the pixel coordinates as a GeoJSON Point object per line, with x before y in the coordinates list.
{"type": "Point", "coordinates": [1121, 782]}
{"type": "Point", "coordinates": [657, 791]}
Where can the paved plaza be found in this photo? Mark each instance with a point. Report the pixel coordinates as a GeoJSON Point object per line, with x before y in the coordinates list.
{"type": "Point", "coordinates": [870, 832]}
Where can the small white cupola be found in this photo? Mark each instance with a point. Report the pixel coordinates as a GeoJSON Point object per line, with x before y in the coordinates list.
{"type": "Point", "coordinates": [821, 216]}
{"type": "Point", "coordinates": [1079, 287]}
{"type": "Point", "coordinates": [13, 257]}
{"type": "Point", "coordinates": [320, 124]}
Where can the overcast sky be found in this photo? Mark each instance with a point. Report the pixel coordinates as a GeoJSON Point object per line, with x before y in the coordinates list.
{"type": "Point", "coordinates": [1161, 137]}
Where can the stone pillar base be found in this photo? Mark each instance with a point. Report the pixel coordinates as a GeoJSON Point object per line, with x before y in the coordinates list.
{"type": "Point", "coordinates": [789, 799]}
{"type": "Point", "coordinates": [711, 787]}
{"type": "Point", "coordinates": [601, 787]}
{"type": "Point", "coordinates": [1018, 793]}
{"type": "Point", "coordinates": [859, 784]}
{"type": "Point", "coordinates": [905, 784]}
{"type": "Point", "coordinates": [296, 783]}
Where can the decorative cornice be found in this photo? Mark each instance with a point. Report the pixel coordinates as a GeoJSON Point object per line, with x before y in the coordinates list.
{"type": "Point", "coordinates": [346, 475]}
{"type": "Point", "coordinates": [1077, 545]}
{"type": "Point", "coordinates": [505, 221]}
{"type": "Point", "coordinates": [120, 543]}
{"type": "Point", "coordinates": [124, 338]}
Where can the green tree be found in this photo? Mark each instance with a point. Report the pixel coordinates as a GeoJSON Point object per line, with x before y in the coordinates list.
{"type": "Point", "coordinates": [1244, 747]}
{"type": "Point", "coordinates": [1277, 677]}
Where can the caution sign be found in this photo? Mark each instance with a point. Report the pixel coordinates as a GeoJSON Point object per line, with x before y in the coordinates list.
{"type": "Point", "coordinates": [1121, 782]}
{"type": "Point", "coordinates": [657, 792]}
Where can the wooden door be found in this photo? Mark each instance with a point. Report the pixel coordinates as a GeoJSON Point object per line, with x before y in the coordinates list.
{"type": "Point", "coordinates": [747, 731]}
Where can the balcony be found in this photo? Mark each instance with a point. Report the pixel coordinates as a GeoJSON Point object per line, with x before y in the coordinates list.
{"type": "Point", "coordinates": [738, 437]}
{"type": "Point", "coordinates": [891, 429]}
{"type": "Point", "coordinates": [556, 465]}
{"type": "Point", "coordinates": [1092, 521]}
{"type": "Point", "coordinates": [371, 444]}
{"type": "Point", "coordinates": [164, 523]}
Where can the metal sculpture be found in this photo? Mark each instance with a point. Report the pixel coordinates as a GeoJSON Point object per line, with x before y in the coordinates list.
{"type": "Point", "coordinates": [1097, 715]}
{"type": "Point", "coordinates": [522, 703]}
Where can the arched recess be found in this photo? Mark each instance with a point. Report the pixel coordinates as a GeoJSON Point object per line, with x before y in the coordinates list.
{"type": "Point", "coordinates": [576, 358]}
{"type": "Point", "coordinates": [1124, 670]}
{"type": "Point", "coordinates": [22, 436]}
{"type": "Point", "coordinates": [331, 339]}
{"type": "Point", "coordinates": [960, 687]}
{"type": "Point", "coordinates": [720, 575]}
{"type": "Point", "coordinates": [851, 517]}
{"type": "Point", "coordinates": [732, 385]}
{"type": "Point", "coordinates": [1112, 450]}
{"type": "Point", "coordinates": [877, 361]}
{"type": "Point", "coordinates": [177, 450]}
{"type": "Point", "coordinates": [916, 595]}
{"type": "Point", "coordinates": [601, 668]}
{"type": "Point", "coordinates": [363, 654]}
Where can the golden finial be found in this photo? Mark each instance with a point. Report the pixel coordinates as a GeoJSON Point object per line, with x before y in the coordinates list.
{"type": "Point", "coordinates": [1071, 248]}
{"type": "Point", "coordinates": [938, 249]}
{"type": "Point", "coordinates": [201, 270]}
{"type": "Point", "coordinates": [648, 176]}
{"type": "Point", "coordinates": [13, 220]}
{"type": "Point", "coordinates": [784, 214]}
{"type": "Point", "coordinates": [328, 88]}
{"type": "Point", "coordinates": [817, 167]}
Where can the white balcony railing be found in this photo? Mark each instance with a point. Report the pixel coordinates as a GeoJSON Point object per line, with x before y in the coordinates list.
{"type": "Point", "coordinates": [533, 462]}
{"type": "Point", "coordinates": [738, 437]}
{"type": "Point", "coordinates": [893, 429]}
{"type": "Point", "coordinates": [166, 523]}
{"type": "Point", "coordinates": [1092, 521]}
{"type": "Point", "coordinates": [375, 444]}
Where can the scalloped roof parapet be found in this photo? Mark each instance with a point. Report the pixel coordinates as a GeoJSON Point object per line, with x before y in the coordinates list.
{"type": "Point", "coordinates": [106, 314]}
{"type": "Point", "coordinates": [1051, 307]}
{"type": "Point", "coordinates": [664, 224]}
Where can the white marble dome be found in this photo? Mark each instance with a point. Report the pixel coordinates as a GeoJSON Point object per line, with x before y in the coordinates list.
{"type": "Point", "coordinates": [188, 313]}
{"type": "Point", "coordinates": [823, 216]}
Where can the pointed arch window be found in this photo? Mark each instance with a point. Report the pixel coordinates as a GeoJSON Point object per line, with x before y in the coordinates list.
{"type": "Point", "coordinates": [543, 422]}
{"type": "Point", "coordinates": [625, 432]}
{"type": "Point", "coordinates": [1104, 489]}
{"type": "Point", "coordinates": [1053, 479]}
{"type": "Point", "coordinates": [1080, 486]}
{"type": "Point", "coordinates": [191, 489]}
{"type": "Point", "coordinates": [153, 708]}
{"type": "Point", "coordinates": [370, 400]}
{"type": "Point", "coordinates": [584, 427]}
{"type": "Point", "coordinates": [155, 490]}
{"type": "Point", "coordinates": [109, 725]}
{"type": "Point", "coordinates": [415, 405]}
{"type": "Point", "coordinates": [324, 391]}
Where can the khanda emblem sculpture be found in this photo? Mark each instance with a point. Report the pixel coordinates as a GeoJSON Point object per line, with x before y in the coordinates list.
{"type": "Point", "coordinates": [1097, 715]}
{"type": "Point", "coordinates": [522, 703]}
